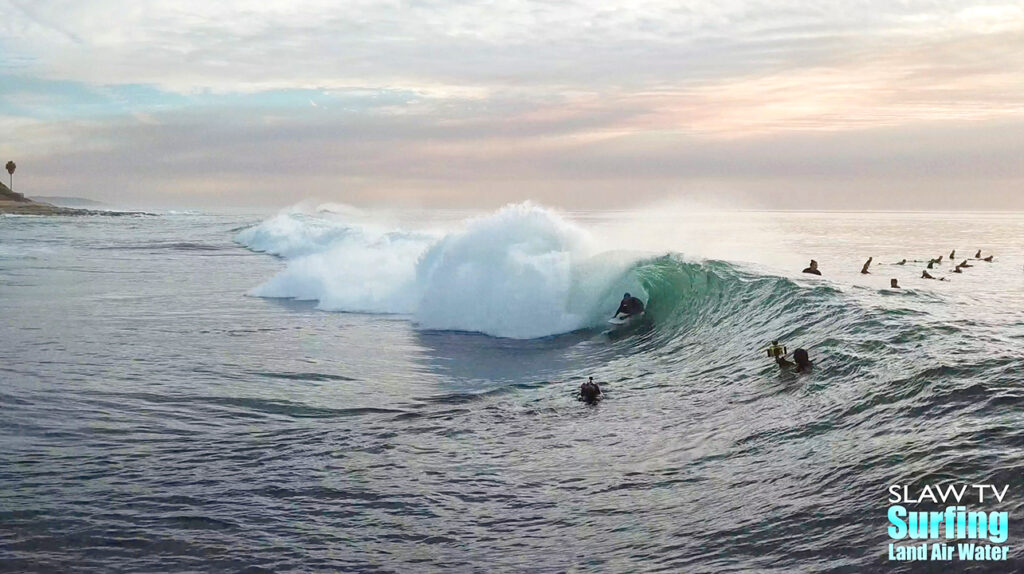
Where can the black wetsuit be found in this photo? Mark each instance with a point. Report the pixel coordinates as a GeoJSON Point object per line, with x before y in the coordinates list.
{"type": "Point", "coordinates": [590, 392]}
{"type": "Point", "coordinates": [812, 270]}
{"type": "Point", "coordinates": [631, 306]}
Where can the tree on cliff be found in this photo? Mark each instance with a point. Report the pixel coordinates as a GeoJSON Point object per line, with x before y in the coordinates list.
{"type": "Point", "coordinates": [10, 169]}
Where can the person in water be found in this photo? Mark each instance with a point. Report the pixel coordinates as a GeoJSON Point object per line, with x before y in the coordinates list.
{"type": "Point", "coordinates": [978, 254]}
{"type": "Point", "coordinates": [812, 268]}
{"type": "Point", "coordinates": [952, 255]}
{"type": "Point", "coordinates": [965, 264]}
{"type": "Point", "coordinates": [894, 283]}
{"type": "Point", "coordinates": [903, 262]}
{"type": "Point", "coordinates": [864, 270]}
{"type": "Point", "coordinates": [931, 264]}
{"type": "Point", "coordinates": [988, 259]}
{"type": "Point", "coordinates": [630, 306]}
{"type": "Point", "coordinates": [801, 361]}
{"type": "Point", "coordinates": [927, 275]}
{"type": "Point", "coordinates": [590, 393]}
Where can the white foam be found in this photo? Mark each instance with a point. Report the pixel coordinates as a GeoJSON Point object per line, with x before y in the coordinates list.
{"type": "Point", "coordinates": [521, 272]}
{"type": "Point", "coordinates": [293, 235]}
{"type": "Point", "coordinates": [508, 274]}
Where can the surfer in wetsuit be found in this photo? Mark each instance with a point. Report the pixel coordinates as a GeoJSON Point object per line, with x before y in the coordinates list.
{"type": "Point", "coordinates": [864, 270]}
{"type": "Point", "coordinates": [812, 268]}
{"type": "Point", "coordinates": [801, 358]}
{"type": "Point", "coordinates": [590, 393]}
{"type": "Point", "coordinates": [629, 306]}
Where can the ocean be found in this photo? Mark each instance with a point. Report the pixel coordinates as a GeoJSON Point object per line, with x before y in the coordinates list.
{"type": "Point", "coordinates": [337, 389]}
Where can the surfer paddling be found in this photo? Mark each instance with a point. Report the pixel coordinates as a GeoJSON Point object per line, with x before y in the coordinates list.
{"type": "Point", "coordinates": [812, 268]}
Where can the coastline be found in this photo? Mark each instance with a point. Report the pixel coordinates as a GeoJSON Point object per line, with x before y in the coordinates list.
{"type": "Point", "coordinates": [17, 204]}
{"type": "Point", "coordinates": [36, 208]}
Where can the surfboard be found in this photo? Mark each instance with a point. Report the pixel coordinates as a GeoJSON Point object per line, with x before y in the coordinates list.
{"type": "Point", "coordinates": [620, 320]}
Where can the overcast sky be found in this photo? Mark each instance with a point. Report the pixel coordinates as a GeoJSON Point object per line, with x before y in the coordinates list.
{"type": "Point", "coordinates": [777, 103]}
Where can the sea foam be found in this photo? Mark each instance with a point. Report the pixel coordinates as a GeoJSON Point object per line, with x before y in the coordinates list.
{"type": "Point", "coordinates": [521, 272]}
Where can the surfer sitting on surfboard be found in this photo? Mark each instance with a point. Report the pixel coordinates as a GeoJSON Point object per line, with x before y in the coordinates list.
{"type": "Point", "coordinates": [630, 306]}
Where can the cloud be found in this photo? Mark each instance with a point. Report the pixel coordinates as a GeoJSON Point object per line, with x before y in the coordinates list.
{"type": "Point", "coordinates": [478, 102]}
{"type": "Point", "coordinates": [222, 157]}
{"type": "Point", "coordinates": [190, 45]}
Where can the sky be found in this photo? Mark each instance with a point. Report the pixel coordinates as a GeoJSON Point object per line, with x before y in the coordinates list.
{"type": "Point", "coordinates": [777, 104]}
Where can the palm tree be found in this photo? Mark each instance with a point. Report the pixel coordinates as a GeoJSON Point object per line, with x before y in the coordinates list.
{"type": "Point", "coordinates": [10, 169]}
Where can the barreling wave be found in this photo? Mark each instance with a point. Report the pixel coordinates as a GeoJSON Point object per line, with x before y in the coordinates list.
{"type": "Point", "coordinates": [522, 272]}
{"type": "Point", "coordinates": [717, 308]}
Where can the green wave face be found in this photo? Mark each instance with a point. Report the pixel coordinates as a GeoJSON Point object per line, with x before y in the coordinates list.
{"type": "Point", "coordinates": [716, 311]}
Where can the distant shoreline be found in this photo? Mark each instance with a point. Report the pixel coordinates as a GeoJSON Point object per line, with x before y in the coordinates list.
{"type": "Point", "coordinates": [76, 202]}
{"type": "Point", "coordinates": [16, 204]}
{"type": "Point", "coordinates": [37, 208]}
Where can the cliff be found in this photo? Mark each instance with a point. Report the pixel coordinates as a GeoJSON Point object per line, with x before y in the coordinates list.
{"type": "Point", "coordinates": [17, 204]}
{"type": "Point", "coordinates": [7, 195]}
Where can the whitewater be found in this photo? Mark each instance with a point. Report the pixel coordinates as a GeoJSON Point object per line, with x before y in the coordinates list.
{"type": "Point", "coordinates": [522, 272]}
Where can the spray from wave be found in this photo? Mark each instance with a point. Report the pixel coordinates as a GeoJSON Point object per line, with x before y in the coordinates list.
{"type": "Point", "coordinates": [521, 272]}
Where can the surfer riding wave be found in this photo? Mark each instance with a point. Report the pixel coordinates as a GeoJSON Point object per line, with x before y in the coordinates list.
{"type": "Point", "coordinates": [629, 307]}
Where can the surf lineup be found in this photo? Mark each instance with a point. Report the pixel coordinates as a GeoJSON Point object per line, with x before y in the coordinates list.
{"type": "Point", "coordinates": [631, 312]}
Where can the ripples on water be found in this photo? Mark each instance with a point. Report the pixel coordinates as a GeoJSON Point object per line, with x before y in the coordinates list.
{"type": "Point", "coordinates": [153, 419]}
